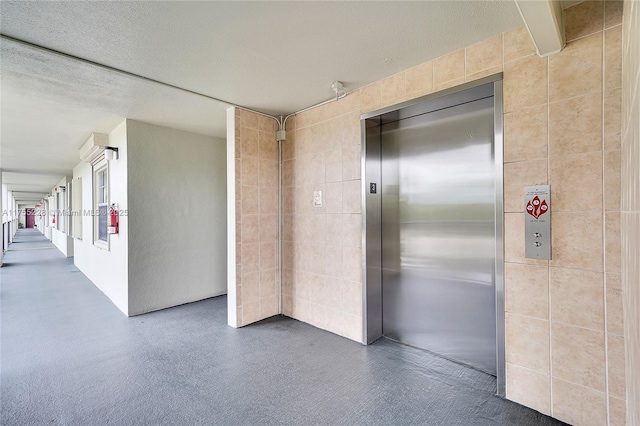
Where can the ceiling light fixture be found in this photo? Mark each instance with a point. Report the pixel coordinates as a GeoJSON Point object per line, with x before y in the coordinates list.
{"type": "Point", "coordinates": [338, 89]}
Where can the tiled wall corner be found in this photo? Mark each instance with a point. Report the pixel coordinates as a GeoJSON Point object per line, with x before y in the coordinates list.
{"type": "Point", "coordinates": [629, 223]}
{"type": "Point", "coordinates": [527, 281]}
{"type": "Point", "coordinates": [256, 217]}
{"type": "Point", "coordinates": [322, 282]}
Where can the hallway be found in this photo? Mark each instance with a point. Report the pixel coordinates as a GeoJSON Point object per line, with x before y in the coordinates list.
{"type": "Point", "coordinates": [69, 356]}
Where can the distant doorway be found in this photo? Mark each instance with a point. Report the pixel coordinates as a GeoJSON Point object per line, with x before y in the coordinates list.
{"type": "Point", "coordinates": [31, 218]}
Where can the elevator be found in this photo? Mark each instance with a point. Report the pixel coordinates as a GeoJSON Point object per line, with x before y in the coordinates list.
{"type": "Point", "coordinates": [432, 206]}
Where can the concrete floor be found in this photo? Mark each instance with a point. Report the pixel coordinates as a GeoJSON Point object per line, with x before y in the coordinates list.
{"type": "Point", "coordinates": [69, 356]}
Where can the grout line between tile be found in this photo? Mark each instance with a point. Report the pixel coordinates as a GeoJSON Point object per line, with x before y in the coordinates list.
{"type": "Point", "coordinates": [577, 326]}
{"type": "Point", "coordinates": [612, 26]}
{"type": "Point", "coordinates": [582, 386]}
{"type": "Point", "coordinates": [527, 160]}
{"type": "Point", "coordinates": [582, 37]}
{"type": "Point", "coordinates": [604, 226]}
{"type": "Point", "coordinates": [577, 269]}
{"type": "Point", "coordinates": [517, 59]}
{"type": "Point", "coordinates": [551, 404]}
{"type": "Point", "coordinates": [527, 108]}
{"type": "Point", "coordinates": [504, 280]}
{"type": "Point", "coordinates": [528, 316]}
{"type": "Point", "coordinates": [584, 95]}
{"type": "Point", "coordinates": [464, 73]}
{"type": "Point", "coordinates": [529, 369]}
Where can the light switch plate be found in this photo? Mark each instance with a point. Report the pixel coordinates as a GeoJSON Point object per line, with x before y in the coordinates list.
{"type": "Point", "coordinates": [317, 198]}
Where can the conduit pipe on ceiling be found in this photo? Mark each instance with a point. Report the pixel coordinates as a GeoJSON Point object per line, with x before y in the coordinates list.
{"type": "Point", "coordinates": [281, 134]}
{"type": "Point", "coordinates": [123, 72]}
{"type": "Point", "coordinates": [281, 122]}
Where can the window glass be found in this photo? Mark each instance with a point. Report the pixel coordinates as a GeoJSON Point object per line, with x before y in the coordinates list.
{"type": "Point", "coordinates": [102, 186]}
{"type": "Point", "coordinates": [102, 222]}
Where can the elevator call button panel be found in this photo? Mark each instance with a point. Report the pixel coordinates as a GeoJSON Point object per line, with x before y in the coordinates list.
{"type": "Point", "coordinates": [537, 222]}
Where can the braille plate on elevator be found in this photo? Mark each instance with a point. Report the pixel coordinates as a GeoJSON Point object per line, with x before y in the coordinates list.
{"type": "Point", "coordinates": [373, 188]}
{"type": "Point", "coordinates": [537, 222]}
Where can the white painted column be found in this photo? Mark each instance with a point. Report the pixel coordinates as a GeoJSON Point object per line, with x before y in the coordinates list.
{"type": "Point", "coordinates": [1, 220]}
{"type": "Point", "coordinates": [232, 309]}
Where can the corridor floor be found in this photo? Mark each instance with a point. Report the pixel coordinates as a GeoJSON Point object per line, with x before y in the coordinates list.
{"type": "Point", "coordinates": [69, 356]}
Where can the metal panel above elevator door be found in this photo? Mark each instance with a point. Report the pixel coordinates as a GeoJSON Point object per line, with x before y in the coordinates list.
{"type": "Point", "coordinates": [433, 262]}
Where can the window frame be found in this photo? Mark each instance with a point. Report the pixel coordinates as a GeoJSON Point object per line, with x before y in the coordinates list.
{"type": "Point", "coordinates": [68, 207]}
{"type": "Point", "coordinates": [98, 168]}
{"type": "Point", "coordinates": [60, 204]}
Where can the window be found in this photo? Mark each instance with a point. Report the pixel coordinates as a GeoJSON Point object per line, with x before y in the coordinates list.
{"type": "Point", "coordinates": [61, 211]}
{"type": "Point", "coordinates": [101, 207]}
{"type": "Point", "coordinates": [68, 207]}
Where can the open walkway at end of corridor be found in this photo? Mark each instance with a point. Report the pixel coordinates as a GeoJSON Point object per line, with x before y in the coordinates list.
{"type": "Point", "coordinates": [69, 356]}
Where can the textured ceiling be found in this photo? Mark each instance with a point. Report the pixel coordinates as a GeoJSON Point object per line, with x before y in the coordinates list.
{"type": "Point", "coordinates": [277, 57]}
{"type": "Point", "coordinates": [51, 104]}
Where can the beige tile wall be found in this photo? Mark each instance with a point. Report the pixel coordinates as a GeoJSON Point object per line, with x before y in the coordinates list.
{"type": "Point", "coordinates": [630, 223]}
{"type": "Point", "coordinates": [322, 282]}
{"type": "Point", "coordinates": [256, 152]}
{"type": "Point", "coordinates": [562, 126]}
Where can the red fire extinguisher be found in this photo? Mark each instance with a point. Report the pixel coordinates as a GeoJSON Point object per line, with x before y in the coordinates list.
{"type": "Point", "coordinates": [112, 220]}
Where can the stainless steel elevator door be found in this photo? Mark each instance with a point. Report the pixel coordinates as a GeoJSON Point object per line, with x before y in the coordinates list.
{"type": "Point", "coordinates": [438, 233]}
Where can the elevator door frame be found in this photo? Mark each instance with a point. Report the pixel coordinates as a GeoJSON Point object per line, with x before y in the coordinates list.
{"type": "Point", "coordinates": [371, 124]}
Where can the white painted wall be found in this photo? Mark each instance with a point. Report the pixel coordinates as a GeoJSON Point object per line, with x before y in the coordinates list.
{"type": "Point", "coordinates": [232, 294]}
{"type": "Point", "coordinates": [9, 212]}
{"type": "Point", "coordinates": [107, 269]}
{"type": "Point", "coordinates": [50, 206]}
{"type": "Point", "coordinates": [22, 218]}
{"type": "Point", "coordinates": [6, 204]}
{"type": "Point", "coordinates": [5, 216]}
{"type": "Point", "coordinates": [60, 239]}
{"type": "Point", "coordinates": [177, 217]}
{"type": "Point", "coordinates": [41, 218]}
{"type": "Point", "coordinates": [16, 217]}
